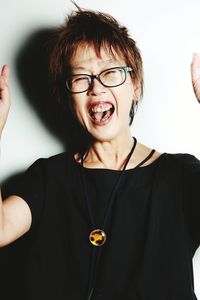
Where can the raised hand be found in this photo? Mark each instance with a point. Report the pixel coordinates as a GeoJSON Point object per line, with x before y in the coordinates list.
{"type": "Point", "coordinates": [4, 96]}
{"type": "Point", "coordinates": [195, 72]}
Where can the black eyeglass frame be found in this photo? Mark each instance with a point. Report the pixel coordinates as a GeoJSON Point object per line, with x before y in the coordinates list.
{"type": "Point", "coordinates": [97, 76]}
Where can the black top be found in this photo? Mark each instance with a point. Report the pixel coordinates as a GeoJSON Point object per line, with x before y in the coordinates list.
{"type": "Point", "coordinates": [154, 232]}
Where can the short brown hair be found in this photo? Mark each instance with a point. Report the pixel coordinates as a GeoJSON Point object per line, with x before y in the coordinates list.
{"type": "Point", "coordinates": [98, 30]}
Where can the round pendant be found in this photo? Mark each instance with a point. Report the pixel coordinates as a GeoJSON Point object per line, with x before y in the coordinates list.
{"type": "Point", "coordinates": [97, 237]}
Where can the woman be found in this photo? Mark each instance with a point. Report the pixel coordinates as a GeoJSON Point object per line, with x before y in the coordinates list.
{"type": "Point", "coordinates": [111, 218]}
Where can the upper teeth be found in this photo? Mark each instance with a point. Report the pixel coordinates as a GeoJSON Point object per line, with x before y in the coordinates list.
{"type": "Point", "coordinates": [101, 107]}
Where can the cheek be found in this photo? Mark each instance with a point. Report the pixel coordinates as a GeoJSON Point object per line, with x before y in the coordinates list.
{"type": "Point", "coordinates": [79, 109]}
{"type": "Point", "coordinates": [126, 96]}
{"type": "Point", "coordinates": [130, 89]}
{"type": "Point", "coordinates": [76, 103]}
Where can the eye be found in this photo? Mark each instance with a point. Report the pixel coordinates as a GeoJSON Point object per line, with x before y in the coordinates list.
{"type": "Point", "coordinates": [79, 78]}
{"type": "Point", "coordinates": [110, 72]}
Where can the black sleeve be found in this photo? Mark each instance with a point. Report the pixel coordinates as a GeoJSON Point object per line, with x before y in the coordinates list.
{"type": "Point", "coordinates": [191, 188]}
{"type": "Point", "coordinates": [30, 186]}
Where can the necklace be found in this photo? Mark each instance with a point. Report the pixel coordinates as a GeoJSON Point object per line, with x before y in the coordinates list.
{"type": "Point", "coordinates": [97, 236]}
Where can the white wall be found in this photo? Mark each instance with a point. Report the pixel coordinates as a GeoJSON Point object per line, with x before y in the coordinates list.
{"type": "Point", "coordinates": [167, 32]}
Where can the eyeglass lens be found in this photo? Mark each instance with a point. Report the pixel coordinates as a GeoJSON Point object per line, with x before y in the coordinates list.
{"type": "Point", "coordinates": [109, 78]}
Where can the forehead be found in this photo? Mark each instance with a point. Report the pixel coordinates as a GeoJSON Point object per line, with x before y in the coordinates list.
{"type": "Point", "coordinates": [86, 56]}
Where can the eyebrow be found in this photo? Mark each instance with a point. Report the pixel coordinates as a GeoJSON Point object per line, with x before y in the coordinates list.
{"type": "Point", "coordinates": [105, 62]}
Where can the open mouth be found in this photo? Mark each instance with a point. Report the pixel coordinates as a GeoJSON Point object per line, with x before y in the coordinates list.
{"type": "Point", "coordinates": [101, 112]}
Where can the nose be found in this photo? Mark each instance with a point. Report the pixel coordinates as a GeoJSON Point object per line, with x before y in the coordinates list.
{"type": "Point", "coordinates": [96, 87]}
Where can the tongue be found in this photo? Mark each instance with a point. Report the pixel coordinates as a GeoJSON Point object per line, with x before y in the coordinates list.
{"type": "Point", "coordinates": [98, 116]}
{"type": "Point", "coordinates": [102, 115]}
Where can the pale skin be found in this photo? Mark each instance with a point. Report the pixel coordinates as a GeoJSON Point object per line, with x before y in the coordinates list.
{"type": "Point", "coordinates": [111, 146]}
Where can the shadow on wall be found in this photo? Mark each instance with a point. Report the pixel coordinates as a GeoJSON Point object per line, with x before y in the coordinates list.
{"type": "Point", "coordinates": [32, 70]}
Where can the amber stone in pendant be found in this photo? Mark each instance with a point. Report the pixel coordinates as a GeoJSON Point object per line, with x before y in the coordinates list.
{"type": "Point", "coordinates": [97, 237]}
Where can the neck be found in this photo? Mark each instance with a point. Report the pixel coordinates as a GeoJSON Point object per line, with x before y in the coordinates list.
{"type": "Point", "coordinates": [109, 154]}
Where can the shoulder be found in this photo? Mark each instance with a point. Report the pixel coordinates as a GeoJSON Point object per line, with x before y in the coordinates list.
{"type": "Point", "coordinates": [181, 166]}
{"type": "Point", "coordinates": [184, 160]}
{"type": "Point", "coordinates": [57, 158]}
{"type": "Point", "coordinates": [172, 162]}
{"type": "Point", "coordinates": [54, 163]}
{"type": "Point", "coordinates": [181, 159]}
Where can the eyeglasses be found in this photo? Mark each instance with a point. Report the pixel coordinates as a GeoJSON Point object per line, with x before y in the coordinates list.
{"type": "Point", "coordinates": [79, 83]}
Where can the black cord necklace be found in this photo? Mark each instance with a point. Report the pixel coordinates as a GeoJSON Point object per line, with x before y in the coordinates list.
{"type": "Point", "coordinates": [98, 236]}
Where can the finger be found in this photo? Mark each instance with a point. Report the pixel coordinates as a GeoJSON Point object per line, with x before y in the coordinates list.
{"type": "Point", "coordinates": [195, 66]}
{"type": "Point", "coordinates": [195, 72]}
{"type": "Point", "coordinates": [4, 90]}
{"type": "Point", "coordinates": [3, 83]}
{"type": "Point", "coordinates": [5, 73]}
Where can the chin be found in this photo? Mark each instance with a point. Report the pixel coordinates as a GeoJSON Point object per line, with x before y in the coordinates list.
{"type": "Point", "coordinates": [105, 136]}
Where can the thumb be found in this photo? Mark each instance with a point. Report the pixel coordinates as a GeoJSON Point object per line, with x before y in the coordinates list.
{"type": "Point", "coordinates": [195, 73]}
{"type": "Point", "coordinates": [5, 73]}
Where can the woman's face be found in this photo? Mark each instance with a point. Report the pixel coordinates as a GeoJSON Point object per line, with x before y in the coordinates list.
{"type": "Point", "coordinates": [102, 111]}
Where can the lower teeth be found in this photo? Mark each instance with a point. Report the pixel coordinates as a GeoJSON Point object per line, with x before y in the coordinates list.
{"type": "Point", "coordinates": [105, 115]}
